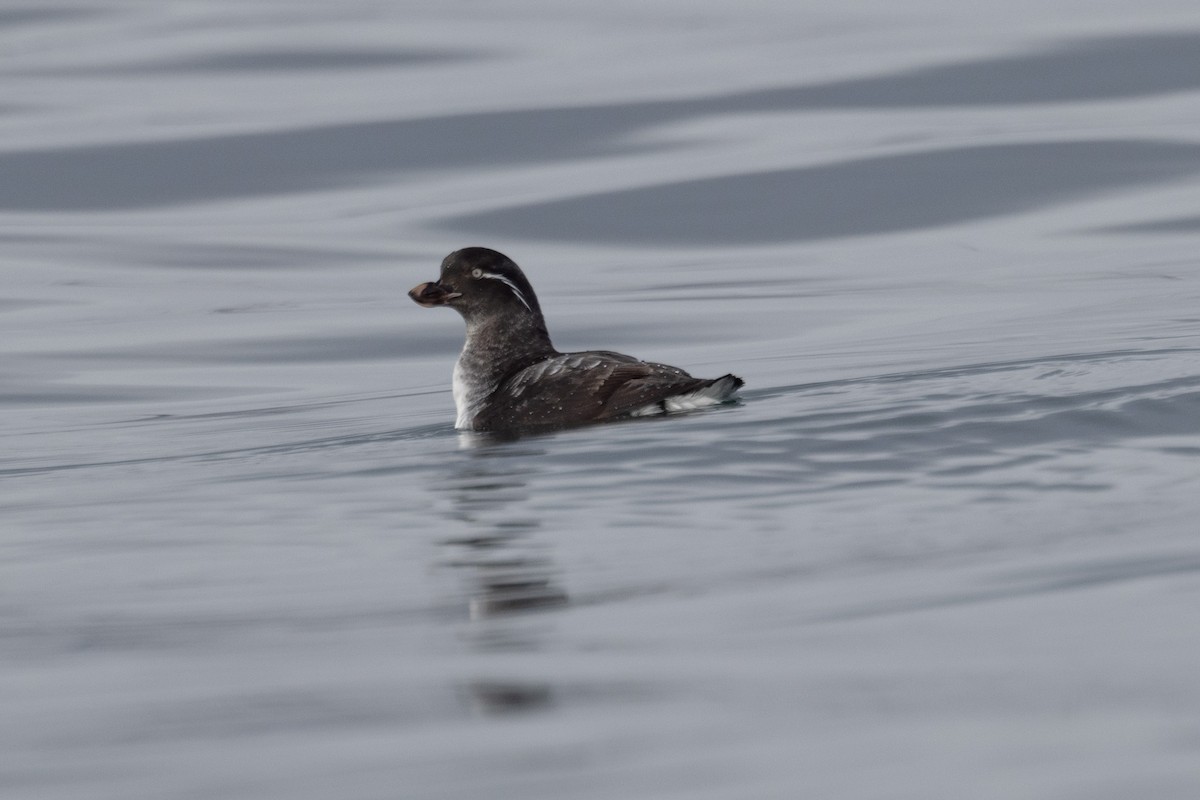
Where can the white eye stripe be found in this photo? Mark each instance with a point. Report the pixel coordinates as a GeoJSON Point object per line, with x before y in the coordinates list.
{"type": "Point", "coordinates": [507, 282]}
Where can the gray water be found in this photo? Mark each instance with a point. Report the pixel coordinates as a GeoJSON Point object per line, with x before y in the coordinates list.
{"type": "Point", "coordinates": [944, 547]}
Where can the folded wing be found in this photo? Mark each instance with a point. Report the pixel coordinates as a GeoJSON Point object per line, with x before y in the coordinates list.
{"type": "Point", "coordinates": [597, 385]}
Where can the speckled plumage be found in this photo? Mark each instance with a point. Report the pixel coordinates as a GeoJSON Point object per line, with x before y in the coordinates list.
{"type": "Point", "coordinates": [510, 377]}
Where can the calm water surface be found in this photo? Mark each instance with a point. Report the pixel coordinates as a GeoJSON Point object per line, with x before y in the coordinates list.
{"type": "Point", "coordinates": [944, 547]}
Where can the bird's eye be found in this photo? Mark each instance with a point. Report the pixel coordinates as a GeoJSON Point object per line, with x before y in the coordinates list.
{"type": "Point", "coordinates": [477, 273]}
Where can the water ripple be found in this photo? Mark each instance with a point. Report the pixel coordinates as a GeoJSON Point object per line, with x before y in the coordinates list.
{"type": "Point", "coordinates": [208, 169]}
{"type": "Point", "coordinates": [853, 198]}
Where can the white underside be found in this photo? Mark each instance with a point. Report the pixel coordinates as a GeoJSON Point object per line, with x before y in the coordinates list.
{"type": "Point", "coordinates": [467, 398]}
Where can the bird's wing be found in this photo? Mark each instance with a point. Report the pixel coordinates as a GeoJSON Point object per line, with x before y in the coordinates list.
{"type": "Point", "coordinates": [584, 387]}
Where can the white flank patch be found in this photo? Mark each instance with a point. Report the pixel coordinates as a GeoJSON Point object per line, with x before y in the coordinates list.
{"type": "Point", "coordinates": [690, 402]}
{"type": "Point", "coordinates": [510, 285]}
{"type": "Point", "coordinates": [701, 398]}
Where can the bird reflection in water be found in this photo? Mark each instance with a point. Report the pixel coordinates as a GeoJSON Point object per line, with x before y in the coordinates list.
{"type": "Point", "coordinates": [506, 571]}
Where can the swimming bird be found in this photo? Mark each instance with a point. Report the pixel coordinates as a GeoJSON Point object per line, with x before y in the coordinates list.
{"type": "Point", "coordinates": [509, 377]}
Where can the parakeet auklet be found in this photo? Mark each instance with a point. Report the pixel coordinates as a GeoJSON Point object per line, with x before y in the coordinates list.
{"type": "Point", "coordinates": [510, 377]}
